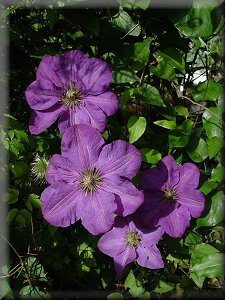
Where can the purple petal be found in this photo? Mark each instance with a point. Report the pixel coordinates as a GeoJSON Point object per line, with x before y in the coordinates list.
{"type": "Point", "coordinates": [149, 257]}
{"type": "Point", "coordinates": [61, 169]}
{"type": "Point", "coordinates": [189, 174]}
{"type": "Point", "coordinates": [168, 163]}
{"type": "Point", "coordinates": [96, 116]}
{"type": "Point", "coordinates": [82, 143]}
{"type": "Point", "coordinates": [153, 209]}
{"type": "Point", "coordinates": [70, 118]}
{"type": "Point", "coordinates": [153, 179]}
{"type": "Point", "coordinates": [176, 222]}
{"type": "Point", "coordinates": [97, 211]}
{"type": "Point", "coordinates": [123, 259]}
{"type": "Point", "coordinates": [192, 199]}
{"type": "Point", "coordinates": [112, 243]}
{"type": "Point", "coordinates": [151, 237]}
{"type": "Point", "coordinates": [128, 197]}
{"type": "Point", "coordinates": [119, 158]}
{"type": "Point", "coordinates": [41, 120]}
{"type": "Point", "coordinates": [95, 75]}
{"type": "Point", "coordinates": [59, 204]}
{"type": "Point", "coordinates": [107, 101]}
{"type": "Point", "coordinates": [42, 94]}
{"type": "Point", "coordinates": [61, 69]}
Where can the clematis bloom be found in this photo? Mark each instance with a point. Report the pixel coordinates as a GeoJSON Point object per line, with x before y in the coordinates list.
{"type": "Point", "coordinates": [73, 87]}
{"type": "Point", "coordinates": [128, 241]}
{"type": "Point", "coordinates": [90, 181]}
{"type": "Point", "coordinates": [171, 198]}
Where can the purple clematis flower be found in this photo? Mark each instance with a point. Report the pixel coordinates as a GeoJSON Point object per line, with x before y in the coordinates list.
{"type": "Point", "coordinates": [171, 198]}
{"type": "Point", "coordinates": [128, 241]}
{"type": "Point", "coordinates": [73, 87]}
{"type": "Point", "coordinates": [90, 181]}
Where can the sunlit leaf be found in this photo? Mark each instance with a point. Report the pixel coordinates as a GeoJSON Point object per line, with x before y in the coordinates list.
{"type": "Point", "coordinates": [124, 22]}
{"type": "Point", "coordinates": [136, 127]}
{"type": "Point", "coordinates": [207, 90]}
{"type": "Point", "coordinates": [216, 213]}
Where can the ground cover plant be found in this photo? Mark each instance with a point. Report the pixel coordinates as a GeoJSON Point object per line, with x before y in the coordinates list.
{"type": "Point", "coordinates": [115, 143]}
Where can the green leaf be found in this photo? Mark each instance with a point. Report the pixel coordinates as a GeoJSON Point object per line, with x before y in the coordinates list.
{"type": "Point", "coordinates": [164, 287]}
{"type": "Point", "coordinates": [218, 173]}
{"type": "Point", "coordinates": [215, 144]}
{"type": "Point", "coordinates": [135, 285]}
{"type": "Point", "coordinates": [19, 169]}
{"type": "Point", "coordinates": [21, 135]}
{"type": "Point", "coordinates": [135, 4]}
{"type": "Point", "coordinates": [193, 238]}
{"type": "Point", "coordinates": [11, 196]}
{"type": "Point", "coordinates": [166, 124]}
{"type": "Point", "coordinates": [123, 75]}
{"type": "Point", "coordinates": [136, 127]}
{"type": "Point", "coordinates": [15, 146]}
{"type": "Point", "coordinates": [179, 137]}
{"type": "Point", "coordinates": [34, 200]}
{"type": "Point", "coordinates": [151, 156]}
{"type": "Point", "coordinates": [137, 55]}
{"type": "Point", "coordinates": [125, 23]}
{"type": "Point", "coordinates": [20, 220]}
{"type": "Point", "coordinates": [208, 186]}
{"type": "Point", "coordinates": [210, 266]}
{"type": "Point", "coordinates": [211, 123]}
{"type": "Point", "coordinates": [207, 90]}
{"type": "Point", "coordinates": [216, 213]}
{"type": "Point", "coordinates": [182, 111]}
{"type": "Point", "coordinates": [12, 214]}
{"type": "Point", "coordinates": [201, 250]}
{"type": "Point", "coordinates": [24, 212]}
{"type": "Point", "coordinates": [197, 148]}
{"type": "Point", "coordinates": [165, 71]}
{"type": "Point", "coordinates": [115, 296]}
{"type": "Point", "coordinates": [151, 95]}
{"type": "Point", "coordinates": [174, 58]}
{"type": "Point", "coordinates": [197, 22]}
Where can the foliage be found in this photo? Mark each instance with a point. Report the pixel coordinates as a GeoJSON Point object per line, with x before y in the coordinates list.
{"type": "Point", "coordinates": [154, 55]}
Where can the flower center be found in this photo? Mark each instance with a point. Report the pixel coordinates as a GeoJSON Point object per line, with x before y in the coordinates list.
{"type": "Point", "coordinates": [132, 238]}
{"type": "Point", "coordinates": [71, 96]}
{"type": "Point", "coordinates": [169, 195]}
{"type": "Point", "coordinates": [90, 180]}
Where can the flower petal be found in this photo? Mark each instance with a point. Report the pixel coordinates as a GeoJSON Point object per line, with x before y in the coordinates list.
{"type": "Point", "coordinates": [59, 204]}
{"type": "Point", "coordinates": [119, 158]}
{"type": "Point", "coordinates": [192, 199]}
{"type": "Point", "coordinates": [95, 75]}
{"type": "Point", "coordinates": [153, 179]}
{"type": "Point", "coordinates": [82, 143]}
{"type": "Point", "coordinates": [128, 197]}
{"type": "Point", "coordinates": [153, 208]}
{"type": "Point", "coordinates": [61, 169]}
{"type": "Point", "coordinates": [42, 94]}
{"type": "Point", "coordinates": [176, 222]}
{"type": "Point", "coordinates": [112, 243]}
{"type": "Point", "coordinates": [70, 118]}
{"type": "Point", "coordinates": [61, 69]}
{"type": "Point", "coordinates": [151, 237]}
{"type": "Point", "coordinates": [107, 101]}
{"type": "Point", "coordinates": [149, 257]}
{"type": "Point", "coordinates": [168, 163]}
{"type": "Point", "coordinates": [96, 116]}
{"type": "Point", "coordinates": [189, 174]}
{"type": "Point", "coordinates": [123, 259]}
{"type": "Point", "coordinates": [97, 211]}
{"type": "Point", "coordinates": [41, 120]}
